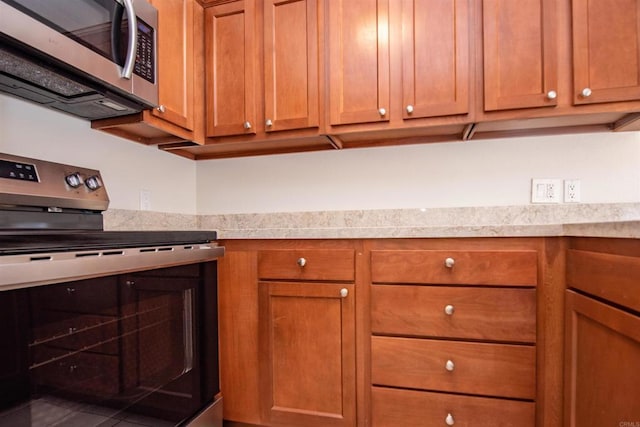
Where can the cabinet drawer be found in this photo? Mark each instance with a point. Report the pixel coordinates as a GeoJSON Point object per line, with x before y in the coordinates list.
{"type": "Point", "coordinates": [498, 314]}
{"type": "Point", "coordinates": [612, 277]}
{"type": "Point", "coordinates": [409, 408]}
{"type": "Point", "coordinates": [511, 268]}
{"type": "Point", "coordinates": [313, 264]}
{"type": "Point", "coordinates": [478, 368]}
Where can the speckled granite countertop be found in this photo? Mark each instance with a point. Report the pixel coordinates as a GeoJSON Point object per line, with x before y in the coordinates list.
{"type": "Point", "coordinates": [595, 220]}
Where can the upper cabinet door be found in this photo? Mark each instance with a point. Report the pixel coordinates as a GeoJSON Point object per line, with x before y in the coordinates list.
{"type": "Point", "coordinates": [520, 54]}
{"type": "Point", "coordinates": [291, 64]}
{"type": "Point", "coordinates": [231, 69]}
{"type": "Point", "coordinates": [435, 57]}
{"type": "Point", "coordinates": [176, 62]}
{"type": "Point", "coordinates": [606, 50]}
{"type": "Point", "coordinates": [358, 61]}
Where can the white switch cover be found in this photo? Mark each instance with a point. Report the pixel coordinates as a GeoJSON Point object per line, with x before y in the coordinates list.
{"type": "Point", "coordinates": [546, 190]}
{"type": "Point", "coordinates": [145, 200]}
{"type": "Point", "coordinates": [571, 190]}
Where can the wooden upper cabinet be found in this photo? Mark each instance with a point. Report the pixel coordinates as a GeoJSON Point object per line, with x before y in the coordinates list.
{"type": "Point", "coordinates": [175, 62]}
{"type": "Point", "coordinates": [358, 61]}
{"type": "Point", "coordinates": [520, 54]}
{"type": "Point", "coordinates": [290, 64]}
{"type": "Point", "coordinates": [606, 50]}
{"type": "Point", "coordinates": [435, 58]}
{"type": "Point", "coordinates": [231, 71]}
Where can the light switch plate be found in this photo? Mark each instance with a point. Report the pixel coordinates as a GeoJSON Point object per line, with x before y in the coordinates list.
{"type": "Point", "coordinates": [546, 190]}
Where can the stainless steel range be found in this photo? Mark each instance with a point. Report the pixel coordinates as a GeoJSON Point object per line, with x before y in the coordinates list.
{"type": "Point", "coordinates": [99, 327]}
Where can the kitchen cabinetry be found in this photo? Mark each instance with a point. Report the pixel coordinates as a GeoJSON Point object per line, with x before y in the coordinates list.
{"type": "Point", "coordinates": [292, 336]}
{"type": "Point", "coordinates": [602, 333]}
{"type": "Point", "coordinates": [263, 82]}
{"type": "Point", "coordinates": [606, 58]}
{"type": "Point", "coordinates": [358, 61]}
{"type": "Point", "coordinates": [179, 76]}
{"type": "Point", "coordinates": [461, 320]}
{"type": "Point", "coordinates": [520, 54]}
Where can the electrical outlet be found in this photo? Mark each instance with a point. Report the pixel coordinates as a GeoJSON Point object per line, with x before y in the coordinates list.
{"type": "Point", "coordinates": [145, 200]}
{"type": "Point", "coordinates": [546, 190]}
{"type": "Point", "coordinates": [571, 190]}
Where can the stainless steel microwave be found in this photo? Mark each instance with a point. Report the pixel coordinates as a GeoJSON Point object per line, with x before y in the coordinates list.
{"type": "Point", "coordinates": [90, 58]}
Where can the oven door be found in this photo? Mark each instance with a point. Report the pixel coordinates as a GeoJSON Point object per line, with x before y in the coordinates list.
{"type": "Point", "coordinates": [94, 36]}
{"type": "Point", "coordinates": [132, 348]}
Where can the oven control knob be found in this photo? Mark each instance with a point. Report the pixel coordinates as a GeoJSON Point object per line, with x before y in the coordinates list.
{"type": "Point", "coordinates": [74, 180]}
{"type": "Point", "coordinates": [93, 183]}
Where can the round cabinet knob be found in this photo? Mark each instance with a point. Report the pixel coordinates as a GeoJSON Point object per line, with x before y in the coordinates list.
{"type": "Point", "coordinates": [449, 309]}
{"type": "Point", "coordinates": [93, 183]}
{"type": "Point", "coordinates": [409, 109]}
{"type": "Point", "coordinates": [449, 262]}
{"type": "Point", "coordinates": [586, 92]}
{"type": "Point", "coordinates": [552, 94]}
{"type": "Point", "coordinates": [72, 330]}
{"type": "Point", "coordinates": [74, 180]}
{"type": "Point", "coordinates": [449, 366]}
{"type": "Point", "coordinates": [269, 123]}
{"type": "Point", "coordinates": [161, 108]}
{"type": "Point", "coordinates": [247, 125]}
{"type": "Point", "coordinates": [71, 290]}
{"type": "Point", "coordinates": [382, 112]}
{"type": "Point", "coordinates": [344, 292]}
{"type": "Point", "coordinates": [130, 283]}
{"type": "Point", "coordinates": [301, 262]}
{"type": "Point", "coordinates": [449, 420]}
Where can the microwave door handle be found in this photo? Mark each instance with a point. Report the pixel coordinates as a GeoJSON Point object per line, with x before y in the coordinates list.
{"type": "Point", "coordinates": [127, 69]}
{"type": "Point", "coordinates": [116, 38]}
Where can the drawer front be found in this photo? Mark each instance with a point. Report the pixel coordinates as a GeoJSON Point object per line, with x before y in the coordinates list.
{"type": "Point", "coordinates": [498, 268]}
{"type": "Point", "coordinates": [477, 368]}
{"type": "Point", "coordinates": [313, 264]}
{"type": "Point", "coordinates": [497, 314]}
{"type": "Point", "coordinates": [613, 277]}
{"type": "Point", "coordinates": [409, 408]}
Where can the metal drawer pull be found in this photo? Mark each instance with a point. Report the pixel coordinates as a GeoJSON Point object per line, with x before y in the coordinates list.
{"type": "Point", "coordinates": [449, 366]}
{"type": "Point", "coordinates": [449, 420]}
{"type": "Point", "coordinates": [301, 262]}
{"type": "Point", "coordinates": [449, 309]}
{"type": "Point", "coordinates": [449, 262]}
{"type": "Point", "coordinates": [344, 292]}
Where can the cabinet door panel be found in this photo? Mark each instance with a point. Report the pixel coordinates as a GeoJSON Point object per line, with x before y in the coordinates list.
{"type": "Point", "coordinates": [308, 353]}
{"type": "Point", "coordinates": [520, 53]}
{"type": "Point", "coordinates": [435, 57]}
{"type": "Point", "coordinates": [176, 61]}
{"type": "Point", "coordinates": [358, 61]}
{"type": "Point", "coordinates": [602, 380]}
{"type": "Point", "coordinates": [606, 50]}
{"type": "Point", "coordinates": [291, 64]}
{"type": "Point", "coordinates": [230, 56]}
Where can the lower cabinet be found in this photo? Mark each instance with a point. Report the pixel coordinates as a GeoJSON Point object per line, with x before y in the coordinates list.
{"type": "Point", "coordinates": [602, 341]}
{"type": "Point", "coordinates": [287, 333]}
{"type": "Point", "coordinates": [453, 334]}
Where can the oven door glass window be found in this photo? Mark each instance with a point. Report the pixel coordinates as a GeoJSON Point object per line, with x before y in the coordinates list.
{"type": "Point", "coordinates": [104, 351]}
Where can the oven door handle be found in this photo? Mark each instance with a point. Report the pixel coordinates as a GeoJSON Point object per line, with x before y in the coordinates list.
{"type": "Point", "coordinates": [132, 46]}
{"type": "Point", "coordinates": [187, 313]}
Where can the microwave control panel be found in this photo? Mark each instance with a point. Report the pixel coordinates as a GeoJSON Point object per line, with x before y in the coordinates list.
{"type": "Point", "coordinates": [145, 55]}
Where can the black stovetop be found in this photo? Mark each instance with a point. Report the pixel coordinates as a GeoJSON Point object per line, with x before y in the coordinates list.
{"type": "Point", "coordinates": [31, 242]}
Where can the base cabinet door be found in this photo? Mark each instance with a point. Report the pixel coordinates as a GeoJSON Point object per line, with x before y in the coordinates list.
{"type": "Point", "coordinates": [307, 347]}
{"type": "Point", "coordinates": [602, 351]}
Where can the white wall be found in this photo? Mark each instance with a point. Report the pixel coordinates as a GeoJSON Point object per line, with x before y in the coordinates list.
{"type": "Point", "coordinates": [126, 167]}
{"type": "Point", "coordinates": [475, 173]}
